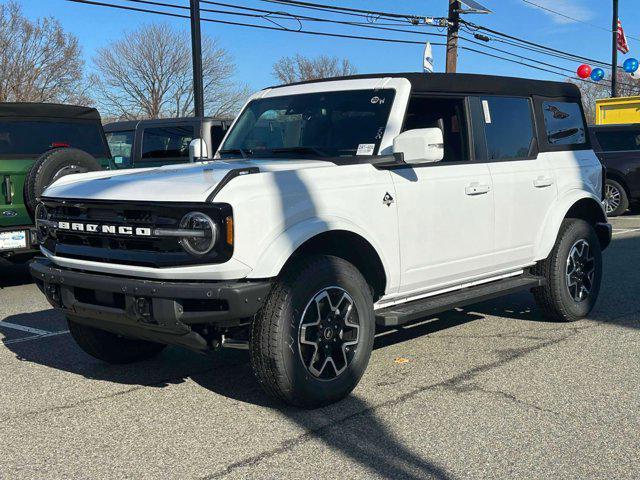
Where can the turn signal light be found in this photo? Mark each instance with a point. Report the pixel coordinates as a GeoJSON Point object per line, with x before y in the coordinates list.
{"type": "Point", "coordinates": [229, 224]}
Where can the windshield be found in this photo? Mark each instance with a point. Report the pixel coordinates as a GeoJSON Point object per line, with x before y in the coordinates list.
{"type": "Point", "coordinates": [326, 124]}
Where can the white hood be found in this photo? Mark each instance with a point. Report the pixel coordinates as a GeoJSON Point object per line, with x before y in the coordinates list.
{"type": "Point", "coordinates": [171, 183]}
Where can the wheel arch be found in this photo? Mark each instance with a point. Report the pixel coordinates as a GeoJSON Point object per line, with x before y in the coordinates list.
{"type": "Point", "coordinates": [576, 204]}
{"type": "Point", "coordinates": [317, 237]}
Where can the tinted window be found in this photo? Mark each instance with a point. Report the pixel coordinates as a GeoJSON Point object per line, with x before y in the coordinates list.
{"type": "Point", "coordinates": [564, 123]}
{"type": "Point", "coordinates": [619, 140]}
{"type": "Point", "coordinates": [508, 127]}
{"type": "Point", "coordinates": [327, 124]}
{"type": "Point", "coordinates": [120, 144]}
{"type": "Point", "coordinates": [166, 142]}
{"type": "Point", "coordinates": [34, 137]}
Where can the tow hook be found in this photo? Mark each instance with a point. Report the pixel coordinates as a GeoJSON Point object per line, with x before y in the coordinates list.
{"type": "Point", "coordinates": [52, 292]}
{"type": "Point", "coordinates": [142, 308]}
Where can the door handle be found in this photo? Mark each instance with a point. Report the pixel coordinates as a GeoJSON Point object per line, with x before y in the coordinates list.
{"type": "Point", "coordinates": [542, 182]}
{"type": "Point", "coordinates": [477, 189]}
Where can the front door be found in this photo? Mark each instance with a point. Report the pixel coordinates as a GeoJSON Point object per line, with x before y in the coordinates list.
{"type": "Point", "coordinates": [445, 209]}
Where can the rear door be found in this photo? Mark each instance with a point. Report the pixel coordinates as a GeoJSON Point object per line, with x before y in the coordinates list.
{"type": "Point", "coordinates": [165, 144]}
{"type": "Point", "coordinates": [523, 182]}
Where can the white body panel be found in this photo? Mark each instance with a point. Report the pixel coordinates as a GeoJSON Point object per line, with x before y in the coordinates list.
{"type": "Point", "coordinates": [448, 225]}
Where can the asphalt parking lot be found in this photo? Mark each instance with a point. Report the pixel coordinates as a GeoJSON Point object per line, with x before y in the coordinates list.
{"type": "Point", "coordinates": [491, 391]}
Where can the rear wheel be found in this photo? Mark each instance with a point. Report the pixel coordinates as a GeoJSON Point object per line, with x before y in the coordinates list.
{"type": "Point", "coordinates": [573, 272]}
{"type": "Point", "coordinates": [312, 341]}
{"type": "Point", "coordinates": [53, 165]}
{"type": "Point", "coordinates": [110, 347]}
{"type": "Point", "coordinates": [616, 200]}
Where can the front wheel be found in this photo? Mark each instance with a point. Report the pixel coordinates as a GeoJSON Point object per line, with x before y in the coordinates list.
{"type": "Point", "coordinates": [573, 272]}
{"type": "Point", "coordinates": [312, 341]}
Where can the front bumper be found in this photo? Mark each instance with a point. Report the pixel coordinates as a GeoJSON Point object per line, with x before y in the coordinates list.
{"type": "Point", "coordinates": [154, 310]}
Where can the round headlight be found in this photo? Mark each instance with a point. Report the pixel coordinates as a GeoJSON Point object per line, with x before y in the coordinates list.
{"type": "Point", "coordinates": [205, 233]}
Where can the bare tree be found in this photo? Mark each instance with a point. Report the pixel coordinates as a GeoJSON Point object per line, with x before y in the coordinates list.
{"type": "Point", "coordinates": [592, 91]}
{"type": "Point", "coordinates": [300, 68]}
{"type": "Point", "coordinates": [148, 74]}
{"type": "Point", "coordinates": [39, 62]}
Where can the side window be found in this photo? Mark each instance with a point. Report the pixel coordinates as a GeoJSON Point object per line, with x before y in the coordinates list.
{"type": "Point", "coordinates": [619, 140]}
{"type": "Point", "coordinates": [564, 123]}
{"type": "Point", "coordinates": [166, 142]}
{"type": "Point", "coordinates": [508, 125]}
{"type": "Point", "coordinates": [447, 114]}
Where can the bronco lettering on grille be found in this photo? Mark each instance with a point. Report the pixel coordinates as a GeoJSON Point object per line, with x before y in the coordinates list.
{"type": "Point", "coordinates": [107, 229]}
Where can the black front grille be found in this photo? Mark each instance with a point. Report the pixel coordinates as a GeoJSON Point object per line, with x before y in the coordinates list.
{"type": "Point", "coordinates": [125, 249]}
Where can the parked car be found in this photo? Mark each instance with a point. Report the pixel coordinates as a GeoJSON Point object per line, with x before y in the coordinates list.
{"type": "Point", "coordinates": [40, 143]}
{"type": "Point", "coordinates": [151, 143]}
{"type": "Point", "coordinates": [618, 147]}
{"type": "Point", "coordinates": [337, 206]}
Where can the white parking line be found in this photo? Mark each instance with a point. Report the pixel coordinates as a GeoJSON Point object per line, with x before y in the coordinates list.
{"type": "Point", "coordinates": [22, 328]}
{"type": "Point", "coordinates": [35, 337]}
{"type": "Point", "coordinates": [620, 232]}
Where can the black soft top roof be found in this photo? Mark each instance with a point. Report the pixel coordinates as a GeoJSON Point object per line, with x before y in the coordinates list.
{"type": "Point", "coordinates": [48, 110]}
{"type": "Point", "coordinates": [472, 84]}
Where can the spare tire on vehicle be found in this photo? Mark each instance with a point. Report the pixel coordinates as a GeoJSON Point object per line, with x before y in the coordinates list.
{"type": "Point", "coordinates": [53, 165]}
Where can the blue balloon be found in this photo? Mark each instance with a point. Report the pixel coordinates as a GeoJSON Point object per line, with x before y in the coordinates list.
{"type": "Point", "coordinates": [597, 74]}
{"type": "Point", "coordinates": [631, 65]}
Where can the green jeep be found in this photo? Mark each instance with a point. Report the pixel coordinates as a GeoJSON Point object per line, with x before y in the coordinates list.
{"type": "Point", "coordinates": [40, 143]}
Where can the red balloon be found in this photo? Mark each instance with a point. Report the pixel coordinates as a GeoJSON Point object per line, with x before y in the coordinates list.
{"type": "Point", "coordinates": [584, 71]}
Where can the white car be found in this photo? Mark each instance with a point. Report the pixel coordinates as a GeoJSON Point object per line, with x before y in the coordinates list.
{"type": "Point", "coordinates": [334, 206]}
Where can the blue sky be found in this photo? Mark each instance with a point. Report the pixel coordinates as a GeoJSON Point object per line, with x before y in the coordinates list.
{"type": "Point", "coordinates": [255, 50]}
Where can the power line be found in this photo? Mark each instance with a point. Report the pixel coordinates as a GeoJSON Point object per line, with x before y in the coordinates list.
{"type": "Point", "coordinates": [292, 16]}
{"type": "Point", "coordinates": [327, 34]}
{"type": "Point", "coordinates": [533, 44]}
{"type": "Point", "coordinates": [577, 20]}
{"type": "Point", "coordinates": [336, 8]}
{"type": "Point", "coordinates": [240, 24]}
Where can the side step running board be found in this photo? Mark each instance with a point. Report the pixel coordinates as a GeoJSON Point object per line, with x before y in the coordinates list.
{"type": "Point", "coordinates": [407, 312]}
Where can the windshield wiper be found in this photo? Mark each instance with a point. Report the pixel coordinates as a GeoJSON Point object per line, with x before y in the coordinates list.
{"type": "Point", "coordinates": [302, 149]}
{"type": "Point", "coordinates": [236, 151]}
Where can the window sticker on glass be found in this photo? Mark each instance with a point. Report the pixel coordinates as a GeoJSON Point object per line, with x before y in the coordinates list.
{"type": "Point", "coordinates": [366, 149]}
{"type": "Point", "coordinates": [487, 112]}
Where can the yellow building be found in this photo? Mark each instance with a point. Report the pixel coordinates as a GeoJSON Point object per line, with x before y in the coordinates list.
{"type": "Point", "coordinates": [611, 111]}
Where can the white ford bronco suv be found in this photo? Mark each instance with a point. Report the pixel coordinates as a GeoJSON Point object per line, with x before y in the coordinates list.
{"type": "Point", "coordinates": [333, 207]}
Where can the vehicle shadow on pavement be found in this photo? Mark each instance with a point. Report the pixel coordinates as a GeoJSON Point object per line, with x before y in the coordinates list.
{"type": "Point", "coordinates": [14, 275]}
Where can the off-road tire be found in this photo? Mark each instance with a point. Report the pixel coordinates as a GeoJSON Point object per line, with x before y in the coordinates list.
{"type": "Point", "coordinates": [110, 347]}
{"type": "Point", "coordinates": [274, 346]}
{"type": "Point", "coordinates": [554, 298]}
{"type": "Point", "coordinates": [624, 198]}
{"type": "Point", "coordinates": [44, 170]}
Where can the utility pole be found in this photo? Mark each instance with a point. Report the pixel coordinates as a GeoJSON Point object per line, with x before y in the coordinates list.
{"type": "Point", "coordinates": [196, 52]}
{"type": "Point", "coordinates": [452, 36]}
{"type": "Point", "coordinates": [614, 51]}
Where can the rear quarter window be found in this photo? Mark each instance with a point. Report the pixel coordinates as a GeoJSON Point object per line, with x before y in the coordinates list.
{"type": "Point", "coordinates": [34, 137]}
{"type": "Point", "coordinates": [564, 123]}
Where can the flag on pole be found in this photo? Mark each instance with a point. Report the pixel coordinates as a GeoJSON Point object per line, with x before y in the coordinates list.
{"type": "Point", "coordinates": [427, 59]}
{"type": "Point", "coordinates": [623, 46]}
